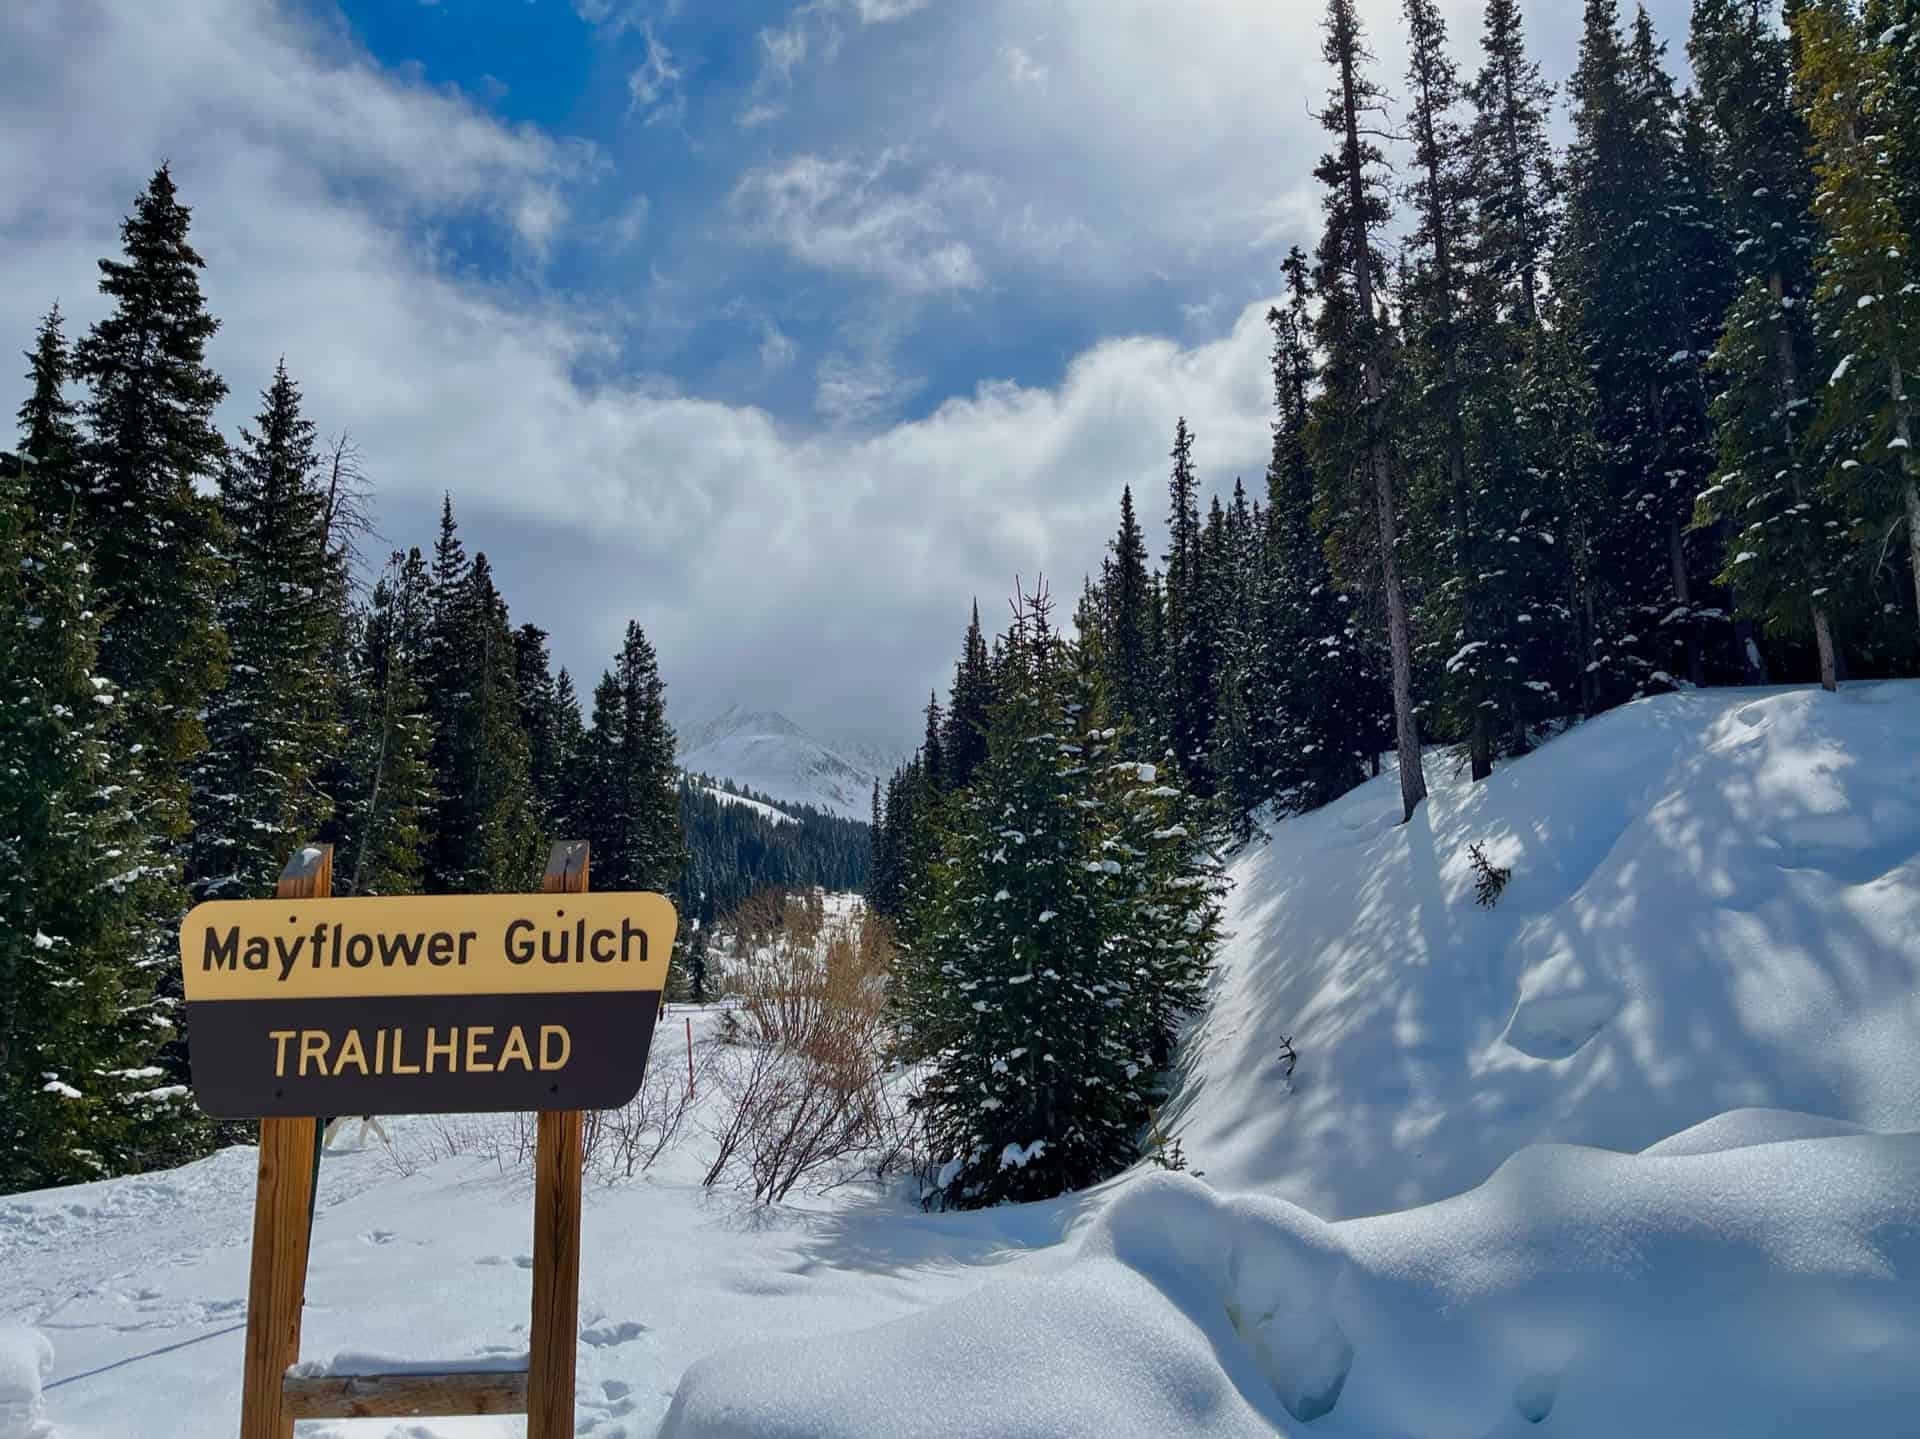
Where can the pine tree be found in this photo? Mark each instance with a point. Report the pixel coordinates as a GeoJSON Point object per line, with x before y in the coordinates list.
{"type": "Point", "coordinates": [386, 795]}
{"type": "Point", "coordinates": [150, 443]}
{"type": "Point", "coordinates": [50, 439]}
{"type": "Point", "coordinates": [1781, 539]}
{"type": "Point", "coordinates": [1355, 428]}
{"type": "Point", "coordinates": [1868, 301]}
{"type": "Point", "coordinates": [1010, 989]}
{"type": "Point", "coordinates": [569, 750]}
{"type": "Point", "coordinates": [1436, 315]}
{"type": "Point", "coordinates": [1316, 696]}
{"type": "Point", "coordinates": [963, 743]}
{"type": "Point", "coordinates": [272, 730]}
{"type": "Point", "coordinates": [1530, 480]}
{"type": "Point", "coordinates": [1645, 266]}
{"type": "Point", "coordinates": [1191, 639]}
{"type": "Point", "coordinates": [932, 749]}
{"type": "Point", "coordinates": [81, 873]}
{"type": "Point", "coordinates": [650, 851]}
{"type": "Point", "coordinates": [540, 718]}
{"type": "Point", "coordinates": [1127, 639]}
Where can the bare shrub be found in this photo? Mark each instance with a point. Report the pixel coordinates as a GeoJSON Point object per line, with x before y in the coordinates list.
{"type": "Point", "coordinates": [804, 1082]}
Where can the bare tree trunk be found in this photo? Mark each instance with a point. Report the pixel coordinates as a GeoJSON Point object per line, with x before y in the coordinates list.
{"type": "Point", "coordinates": [1413, 781]}
{"type": "Point", "coordinates": [1903, 431]}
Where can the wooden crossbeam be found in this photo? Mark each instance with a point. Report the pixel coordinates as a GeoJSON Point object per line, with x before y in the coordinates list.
{"type": "Point", "coordinates": [404, 1396]}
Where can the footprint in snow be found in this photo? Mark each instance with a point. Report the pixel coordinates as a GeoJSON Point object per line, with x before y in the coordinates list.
{"type": "Point", "coordinates": [379, 1236]}
{"type": "Point", "coordinates": [603, 1336]}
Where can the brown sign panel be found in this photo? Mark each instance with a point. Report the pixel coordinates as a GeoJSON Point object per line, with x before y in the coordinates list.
{"type": "Point", "coordinates": [423, 1005]}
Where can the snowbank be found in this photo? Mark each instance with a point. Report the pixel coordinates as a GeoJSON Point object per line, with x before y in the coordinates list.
{"type": "Point", "coordinates": [1714, 906]}
{"type": "Point", "coordinates": [1759, 1290]}
{"type": "Point", "coordinates": [26, 1358]}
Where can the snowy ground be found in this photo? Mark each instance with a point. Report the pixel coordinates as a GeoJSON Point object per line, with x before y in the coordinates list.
{"type": "Point", "coordinates": [1640, 1143]}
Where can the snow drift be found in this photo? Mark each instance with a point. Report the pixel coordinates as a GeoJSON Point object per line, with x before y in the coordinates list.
{"type": "Point", "coordinates": [1715, 905]}
{"type": "Point", "coordinates": [1637, 1117]}
{"type": "Point", "coordinates": [1765, 1289]}
{"type": "Point", "coordinates": [26, 1358]}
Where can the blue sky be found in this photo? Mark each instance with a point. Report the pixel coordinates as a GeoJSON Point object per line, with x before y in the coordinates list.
{"type": "Point", "coordinates": [786, 327]}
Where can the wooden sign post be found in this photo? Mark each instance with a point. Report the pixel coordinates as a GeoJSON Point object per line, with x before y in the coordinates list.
{"type": "Point", "coordinates": [305, 1005]}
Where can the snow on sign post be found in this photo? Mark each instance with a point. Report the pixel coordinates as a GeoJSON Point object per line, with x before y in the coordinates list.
{"type": "Point", "coordinates": [304, 1006]}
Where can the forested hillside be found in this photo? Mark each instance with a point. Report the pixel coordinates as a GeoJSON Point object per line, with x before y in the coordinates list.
{"type": "Point", "coordinates": [1553, 430]}
{"type": "Point", "coordinates": [202, 668]}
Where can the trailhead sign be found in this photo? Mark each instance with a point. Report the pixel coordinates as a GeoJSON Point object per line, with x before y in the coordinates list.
{"type": "Point", "coordinates": [427, 1004]}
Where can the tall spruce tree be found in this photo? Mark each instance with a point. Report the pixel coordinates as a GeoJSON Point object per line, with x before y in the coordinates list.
{"type": "Point", "coordinates": [1356, 420]}
{"type": "Point", "coordinates": [1128, 639]}
{"type": "Point", "coordinates": [81, 873]}
{"type": "Point", "coordinates": [1868, 298]}
{"type": "Point", "coordinates": [151, 443]}
{"type": "Point", "coordinates": [386, 795]}
{"type": "Point", "coordinates": [1782, 539]}
{"type": "Point", "coordinates": [275, 726]}
{"type": "Point", "coordinates": [1191, 638]}
{"type": "Point", "coordinates": [651, 849]}
{"type": "Point", "coordinates": [963, 742]}
{"type": "Point", "coordinates": [1441, 367]}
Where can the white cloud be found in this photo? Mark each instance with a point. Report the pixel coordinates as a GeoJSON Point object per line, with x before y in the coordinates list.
{"type": "Point", "coordinates": [868, 218]}
{"type": "Point", "coordinates": [654, 85]}
{"type": "Point", "coordinates": [1022, 68]}
{"type": "Point", "coordinates": [825, 571]}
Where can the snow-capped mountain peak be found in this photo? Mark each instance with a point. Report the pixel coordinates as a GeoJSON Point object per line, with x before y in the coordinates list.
{"type": "Point", "coordinates": [767, 752]}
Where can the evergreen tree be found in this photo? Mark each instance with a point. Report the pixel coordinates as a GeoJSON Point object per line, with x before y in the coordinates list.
{"type": "Point", "coordinates": [540, 718]}
{"type": "Point", "coordinates": [1781, 542]}
{"type": "Point", "coordinates": [649, 852]}
{"type": "Point", "coordinates": [1009, 990]}
{"type": "Point", "coordinates": [1355, 419]}
{"type": "Point", "coordinates": [274, 727]}
{"type": "Point", "coordinates": [932, 749]}
{"type": "Point", "coordinates": [81, 873]}
{"type": "Point", "coordinates": [1317, 698]}
{"type": "Point", "coordinates": [1127, 638]}
{"type": "Point", "coordinates": [1867, 298]}
{"type": "Point", "coordinates": [569, 751]}
{"type": "Point", "coordinates": [963, 742]}
{"type": "Point", "coordinates": [1645, 267]}
{"type": "Point", "coordinates": [50, 440]}
{"type": "Point", "coordinates": [150, 443]}
{"type": "Point", "coordinates": [386, 795]}
{"type": "Point", "coordinates": [1191, 639]}
{"type": "Point", "coordinates": [1436, 312]}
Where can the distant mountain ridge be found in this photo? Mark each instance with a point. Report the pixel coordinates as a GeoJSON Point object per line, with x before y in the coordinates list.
{"type": "Point", "coordinates": [770, 754]}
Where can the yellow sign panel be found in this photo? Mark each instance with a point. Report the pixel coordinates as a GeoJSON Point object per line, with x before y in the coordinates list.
{"type": "Point", "coordinates": [426, 945]}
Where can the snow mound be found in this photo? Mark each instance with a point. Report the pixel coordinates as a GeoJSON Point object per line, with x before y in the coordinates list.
{"type": "Point", "coordinates": [1742, 1128]}
{"type": "Point", "coordinates": [26, 1358]}
{"type": "Point", "coordinates": [1713, 907]}
{"type": "Point", "coordinates": [1754, 1290]}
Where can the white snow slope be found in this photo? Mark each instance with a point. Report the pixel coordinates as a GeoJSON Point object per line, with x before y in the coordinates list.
{"type": "Point", "coordinates": [770, 754]}
{"type": "Point", "coordinates": [1647, 1127]}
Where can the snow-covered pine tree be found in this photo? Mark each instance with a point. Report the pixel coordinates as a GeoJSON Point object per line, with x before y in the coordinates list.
{"type": "Point", "coordinates": [274, 727]}
{"type": "Point", "coordinates": [1644, 267]}
{"type": "Point", "coordinates": [1316, 701]}
{"type": "Point", "coordinates": [1443, 375]}
{"type": "Point", "coordinates": [81, 873]}
{"type": "Point", "coordinates": [1782, 538]}
{"type": "Point", "coordinates": [1868, 296]}
{"type": "Point", "coordinates": [651, 849]}
{"type": "Point", "coordinates": [1191, 639]}
{"type": "Point", "coordinates": [1527, 481]}
{"type": "Point", "coordinates": [540, 717]}
{"type": "Point", "coordinates": [1008, 982]}
{"type": "Point", "coordinates": [963, 741]}
{"type": "Point", "coordinates": [151, 443]}
{"type": "Point", "coordinates": [1128, 639]}
{"type": "Point", "coordinates": [386, 794]}
{"type": "Point", "coordinates": [1354, 450]}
